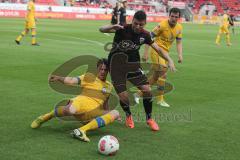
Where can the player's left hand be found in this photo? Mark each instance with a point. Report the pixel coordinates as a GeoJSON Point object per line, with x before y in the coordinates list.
{"type": "Point", "coordinates": [180, 59]}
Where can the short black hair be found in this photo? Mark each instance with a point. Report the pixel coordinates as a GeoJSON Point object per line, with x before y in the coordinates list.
{"type": "Point", "coordinates": [175, 10]}
{"type": "Point", "coordinates": [102, 61]}
{"type": "Point", "coordinates": [140, 15]}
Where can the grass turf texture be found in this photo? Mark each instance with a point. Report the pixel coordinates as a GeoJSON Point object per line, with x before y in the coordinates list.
{"type": "Point", "coordinates": [206, 88]}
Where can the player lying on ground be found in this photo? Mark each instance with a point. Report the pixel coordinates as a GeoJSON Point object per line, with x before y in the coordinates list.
{"type": "Point", "coordinates": [91, 105]}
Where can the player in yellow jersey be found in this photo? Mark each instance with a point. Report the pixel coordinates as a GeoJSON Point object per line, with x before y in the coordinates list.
{"type": "Point", "coordinates": [90, 106]}
{"type": "Point", "coordinates": [30, 24]}
{"type": "Point", "coordinates": [165, 34]}
{"type": "Point", "coordinates": [223, 29]}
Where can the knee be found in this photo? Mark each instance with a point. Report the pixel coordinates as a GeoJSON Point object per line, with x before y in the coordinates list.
{"type": "Point", "coordinates": [155, 77]}
{"type": "Point", "coordinates": [163, 76]}
{"type": "Point", "coordinates": [115, 114]}
{"type": "Point", "coordinates": [71, 109]}
{"type": "Point", "coordinates": [147, 92]}
{"type": "Point", "coordinates": [123, 98]}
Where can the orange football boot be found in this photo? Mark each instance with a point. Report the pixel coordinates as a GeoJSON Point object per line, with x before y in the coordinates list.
{"type": "Point", "coordinates": [129, 121]}
{"type": "Point", "coordinates": [153, 125]}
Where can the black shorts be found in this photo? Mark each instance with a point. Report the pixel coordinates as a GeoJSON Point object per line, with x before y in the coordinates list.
{"type": "Point", "coordinates": [122, 71]}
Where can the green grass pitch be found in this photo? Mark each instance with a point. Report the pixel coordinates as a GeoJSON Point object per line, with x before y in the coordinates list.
{"type": "Point", "coordinates": [202, 123]}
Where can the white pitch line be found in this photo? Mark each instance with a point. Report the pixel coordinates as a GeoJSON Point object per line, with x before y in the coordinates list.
{"type": "Point", "coordinates": [102, 44]}
{"type": "Point", "coordinates": [63, 41]}
{"type": "Point", "coordinates": [83, 39]}
{"type": "Point", "coordinates": [107, 34]}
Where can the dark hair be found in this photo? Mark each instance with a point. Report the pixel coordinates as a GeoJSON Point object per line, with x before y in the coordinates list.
{"type": "Point", "coordinates": [175, 10]}
{"type": "Point", "coordinates": [102, 61]}
{"type": "Point", "coordinates": [140, 15]}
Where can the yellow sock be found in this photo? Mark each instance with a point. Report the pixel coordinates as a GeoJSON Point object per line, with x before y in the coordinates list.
{"type": "Point", "coordinates": [161, 86]}
{"type": "Point", "coordinates": [21, 36]}
{"type": "Point", "coordinates": [33, 37]}
{"type": "Point", "coordinates": [97, 122]}
{"type": "Point", "coordinates": [57, 112]}
{"type": "Point", "coordinates": [48, 116]}
{"type": "Point", "coordinates": [218, 38]}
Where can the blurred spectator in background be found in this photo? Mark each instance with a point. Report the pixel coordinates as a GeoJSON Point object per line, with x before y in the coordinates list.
{"type": "Point", "coordinates": [72, 2]}
{"type": "Point", "coordinates": [115, 14]}
{"type": "Point", "coordinates": [123, 13]}
{"type": "Point", "coordinates": [88, 11]}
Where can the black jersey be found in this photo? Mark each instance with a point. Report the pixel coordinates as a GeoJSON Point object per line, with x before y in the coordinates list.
{"type": "Point", "coordinates": [128, 42]}
{"type": "Point", "coordinates": [231, 20]}
{"type": "Point", "coordinates": [123, 15]}
{"type": "Point", "coordinates": [115, 15]}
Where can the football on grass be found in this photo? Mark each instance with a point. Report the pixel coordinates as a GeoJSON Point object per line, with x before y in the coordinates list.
{"type": "Point", "coordinates": [108, 145]}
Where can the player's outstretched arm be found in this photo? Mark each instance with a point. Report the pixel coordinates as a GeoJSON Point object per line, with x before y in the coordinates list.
{"type": "Point", "coordinates": [179, 51]}
{"type": "Point", "coordinates": [64, 80]}
{"type": "Point", "coordinates": [110, 28]}
{"type": "Point", "coordinates": [145, 54]}
{"type": "Point", "coordinates": [164, 54]}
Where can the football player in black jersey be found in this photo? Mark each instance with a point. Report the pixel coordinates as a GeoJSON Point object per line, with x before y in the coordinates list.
{"type": "Point", "coordinates": [124, 64]}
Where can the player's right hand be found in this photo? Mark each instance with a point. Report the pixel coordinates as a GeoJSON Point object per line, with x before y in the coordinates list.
{"type": "Point", "coordinates": [171, 66]}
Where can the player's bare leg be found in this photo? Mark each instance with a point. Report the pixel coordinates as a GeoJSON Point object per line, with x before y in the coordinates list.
{"type": "Point", "coordinates": [158, 77]}
{"type": "Point", "coordinates": [152, 80]}
{"type": "Point", "coordinates": [59, 111]}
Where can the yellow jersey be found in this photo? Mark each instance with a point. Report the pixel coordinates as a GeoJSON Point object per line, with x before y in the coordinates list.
{"type": "Point", "coordinates": [30, 11]}
{"type": "Point", "coordinates": [165, 35]}
{"type": "Point", "coordinates": [95, 89]}
{"type": "Point", "coordinates": [224, 20]}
